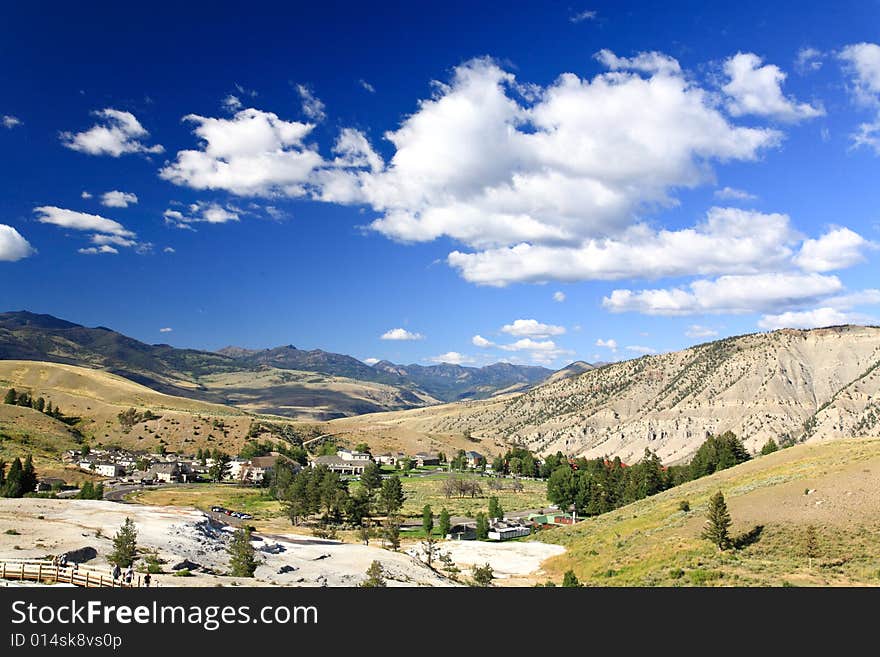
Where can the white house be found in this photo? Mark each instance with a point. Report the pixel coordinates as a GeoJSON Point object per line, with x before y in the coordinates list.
{"type": "Point", "coordinates": [109, 469]}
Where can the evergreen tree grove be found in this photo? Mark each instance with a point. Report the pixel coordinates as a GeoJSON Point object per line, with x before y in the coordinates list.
{"type": "Point", "coordinates": [243, 559]}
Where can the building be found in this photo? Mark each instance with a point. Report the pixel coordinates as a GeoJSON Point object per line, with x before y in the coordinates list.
{"type": "Point", "coordinates": [348, 455]}
{"type": "Point", "coordinates": [164, 472]}
{"type": "Point", "coordinates": [341, 465]}
{"type": "Point", "coordinates": [261, 468]}
{"type": "Point", "coordinates": [424, 458]}
{"type": "Point", "coordinates": [474, 459]}
{"type": "Point", "coordinates": [390, 459]}
{"type": "Point", "coordinates": [503, 531]}
{"type": "Point", "coordinates": [108, 469]}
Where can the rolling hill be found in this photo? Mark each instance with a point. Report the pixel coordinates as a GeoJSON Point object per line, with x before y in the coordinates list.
{"type": "Point", "coordinates": [308, 385]}
{"type": "Point", "coordinates": [790, 385]}
{"type": "Point", "coordinates": [805, 516]}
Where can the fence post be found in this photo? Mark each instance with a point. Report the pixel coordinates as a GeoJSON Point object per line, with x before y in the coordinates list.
{"type": "Point", "coordinates": [22, 571]}
{"type": "Point", "coordinates": [40, 572]}
{"type": "Point", "coordinates": [87, 579]}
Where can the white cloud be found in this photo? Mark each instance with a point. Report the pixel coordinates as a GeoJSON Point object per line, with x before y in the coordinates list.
{"type": "Point", "coordinates": [116, 133]}
{"type": "Point", "coordinates": [85, 195]}
{"type": "Point", "coordinates": [112, 239]}
{"type": "Point", "coordinates": [232, 103]}
{"type": "Point", "coordinates": [862, 63]}
{"type": "Point", "coordinates": [639, 349]}
{"type": "Point", "coordinates": [608, 344]}
{"type": "Point", "coordinates": [252, 153]}
{"type": "Point", "coordinates": [532, 328]}
{"type": "Point", "coordinates": [98, 250]}
{"type": "Point", "coordinates": [401, 334]}
{"type": "Point", "coordinates": [169, 249]}
{"type": "Point", "coordinates": [371, 361]}
{"type": "Point", "coordinates": [10, 121]}
{"type": "Point", "coordinates": [756, 89]}
{"type": "Point", "coordinates": [117, 199]}
{"type": "Point", "coordinates": [810, 319]}
{"type": "Point", "coordinates": [452, 358]}
{"type": "Point", "coordinates": [837, 249]}
{"type": "Point", "coordinates": [646, 62]}
{"type": "Point", "coordinates": [367, 86]}
{"type": "Point", "coordinates": [12, 245]}
{"type": "Point", "coordinates": [165, 330]}
{"type": "Point", "coordinates": [869, 297]}
{"type": "Point", "coordinates": [539, 351]}
{"type": "Point", "coordinates": [312, 106]}
{"type": "Point", "coordinates": [698, 331]}
{"type": "Point", "coordinates": [728, 294]}
{"type": "Point", "coordinates": [559, 297]}
{"type": "Point", "coordinates": [200, 212]}
{"type": "Point", "coordinates": [581, 16]}
{"type": "Point", "coordinates": [480, 341]}
{"type": "Point", "coordinates": [49, 214]}
{"type": "Point", "coordinates": [808, 60]}
{"type": "Point", "coordinates": [731, 240]}
{"type": "Point", "coordinates": [732, 194]}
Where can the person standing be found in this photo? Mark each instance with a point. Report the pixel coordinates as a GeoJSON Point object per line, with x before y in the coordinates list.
{"type": "Point", "coordinates": [117, 573]}
{"type": "Point", "coordinates": [147, 580]}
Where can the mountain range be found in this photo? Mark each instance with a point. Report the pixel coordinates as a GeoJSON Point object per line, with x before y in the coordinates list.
{"type": "Point", "coordinates": [307, 384]}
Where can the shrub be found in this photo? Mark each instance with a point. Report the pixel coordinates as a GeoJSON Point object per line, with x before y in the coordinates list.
{"type": "Point", "coordinates": [684, 505]}
{"type": "Point", "coordinates": [183, 573]}
{"type": "Point", "coordinates": [700, 577]}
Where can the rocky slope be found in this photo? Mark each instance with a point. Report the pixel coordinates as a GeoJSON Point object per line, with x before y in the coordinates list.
{"type": "Point", "coordinates": [790, 384]}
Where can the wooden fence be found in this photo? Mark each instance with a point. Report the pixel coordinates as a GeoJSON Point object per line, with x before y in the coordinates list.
{"type": "Point", "coordinates": [41, 570]}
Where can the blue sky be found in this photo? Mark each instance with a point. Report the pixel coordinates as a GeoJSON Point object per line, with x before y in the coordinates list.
{"type": "Point", "coordinates": [550, 182]}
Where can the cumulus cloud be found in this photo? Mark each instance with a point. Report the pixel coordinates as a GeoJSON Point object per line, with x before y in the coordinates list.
{"type": "Point", "coordinates": [731, 240]}
{"type": "Point", "coordinates": [452, 358]}
{"type": "Point", "coordinates": [698, 331]}
{"type": "Point", "coordinates": [367, 86]}
{"type": "Point", "coordinates": [862, 63]}
{"type": "Point", "coordinates": [808, 60]}
{"type": "Point", "coordinates": [49, 214]}
{"type": "Point", "coordinates": [371, 361]}
{"type": "Point", "coordinates": [252, 153]}
{"type": "Point", "coordinates": [165, 330]}
{"type": "Point", "coordinates": [559, 297]}
{"type": "Point", "coordinates": [539, 351]}
{"type": "Point", "coordinates": [532, 328]}
{"type": "Point", "coordinates": [12, 245]}
{"type": "Point", "coordinates": [837, 249]}
{"type": "Point", "coordinates": [607, 344]}
{"type": "Point", "coordinates": [200, 212]}
{"type": "Point", "coordinates": [98, 250]}
{"type": "Point", "coordinates": [116, 240]}
{"type": "Point", "coordinates": [10, 121]}
{"type": "Point", "coordinates": [808, 319]}
{"type": "Point", "coordinates": [646, 62]}
{"type": "Point", "coordinates": [639, 349]}
{"type": "Point", "coordinates": [401, 334]}
{"type": "Point", "coordinates": [480, 341]}
{"type": "Point", "coordinates": [733, 194]}
{"type": "Point", "coordinates": [312, 106]}
{"type": "Point", "coordinates": [115, 134]}
{"type": "Point", "coordinates": [117, 199]}
{"type": "Point", "coordinates": [169, 249]}
{"type": "Point", "coordinates": [85, 195]}
{"type": "Point", "coordinates": [728, 294]}
{"type": "Point", "coordinates": [756, 89]}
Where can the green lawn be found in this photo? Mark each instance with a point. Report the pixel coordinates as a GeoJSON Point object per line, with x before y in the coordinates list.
{"type": "Point", "coordinates": [429, 490]}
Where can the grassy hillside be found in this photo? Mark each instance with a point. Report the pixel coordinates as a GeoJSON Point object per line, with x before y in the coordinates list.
{"type": "Point", "coordinates": [774, 500]}
{"type": "Point", "coordinates": [97, 398]}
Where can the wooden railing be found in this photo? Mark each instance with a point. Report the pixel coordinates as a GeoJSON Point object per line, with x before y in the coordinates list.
{"type": "Point", "coordinates": [41, 570]}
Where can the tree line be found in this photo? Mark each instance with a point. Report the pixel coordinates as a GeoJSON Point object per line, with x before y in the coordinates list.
{"type": "Point", "coordinates": [595, 486]}
{"type": "Point", "coordinates": [15, 398]}
{"type": "Point", "coordinates": [20, 480]}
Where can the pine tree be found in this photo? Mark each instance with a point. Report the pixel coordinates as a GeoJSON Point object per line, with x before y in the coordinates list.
{"type": "Point", "coordinates": [242, 556]}
{"type": "Point", "coordinates": [124, 545]}
{"type": "Point", "coordinates": [86, 491]}
{"type": "Point", "coordinates": [2, 475]}
{"type": "Point", "coordinates": [11, 396]}
{"type": "Point", "coordinates": [12, 486]}
{"type": "Point", "coordinates": [40, 404]}
{"type": "Point", "coordinates": [718, 522]}
{"type": "Point", "coordinates": [445, 523]}
{"type": "Point", "coordinates": [391, 496]}
{"type": "Point", "coordinates": [391, 532]}
{"type": "Point", "coordinates": [570, 580]}
{"type": "Point", "coordinates": [371, 479]}
{"type": "Point", "coordinates": [28, 476]}
{"type": "Point", "coordinates": [495, 510]}
{"type": "Point", "coordinates": [482, 526]}
{"type": "Point", "coordinates": [483, 575]}
{"type": "Point", "coordinates": [375, 576]}
{"type": "Point", "coordinates": [769, 447]}
{"type": "Point", "coordinates": [811, 548]}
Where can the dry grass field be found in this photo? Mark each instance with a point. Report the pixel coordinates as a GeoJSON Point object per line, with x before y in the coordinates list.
{"type": "Point", "coordinates": [831, 490]}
